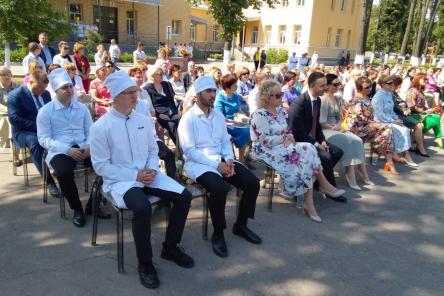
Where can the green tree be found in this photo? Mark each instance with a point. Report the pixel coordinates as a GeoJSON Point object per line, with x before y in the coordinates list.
{"type": "Point", "coordinates": [229, 15]}
{"type": "Point", "coordinates": [22, 20]}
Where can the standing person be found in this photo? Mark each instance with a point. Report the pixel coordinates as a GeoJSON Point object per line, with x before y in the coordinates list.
{"type": "Point", "coordinates": [82, 64]}
{"type": "Point", "coordinates": [304, 123]}
{"type": "Point", "coordinates": [209, 161]}
{"type": "Point", "coordinates": [114, 51]}
{"type": "Point", "coordinates": [34, 51]}
{"type": "Point", "coordinates": [47, 53]}
{"type": "Point", "coordinates": [303, 61]}
{"type": "Point", "coordinates": [130, 172]}
{"type": "Point", "coordinates": [262, 59]}
{"type": "Point", "coordinates": [314, 59]}
{"type": "Point", "coordinates": [139, 55]}
{"type": "Point", "coordinates": [292, 62]}
{"type": "Point", "coordinates": [347, 57]}
{"type": "Point", "coordinates": [256, 58]}
{"type": "Point", "coordinates": [23, 105]}
{"type": "Point", "coordinates": [63, 57]}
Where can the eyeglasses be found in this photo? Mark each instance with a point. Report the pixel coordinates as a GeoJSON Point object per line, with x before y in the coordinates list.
{"type": "Point", "coordinates": [389, 83]}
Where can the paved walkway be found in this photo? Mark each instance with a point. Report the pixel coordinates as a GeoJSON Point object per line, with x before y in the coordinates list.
{"type": "Point", "coordinates": [388, 240]}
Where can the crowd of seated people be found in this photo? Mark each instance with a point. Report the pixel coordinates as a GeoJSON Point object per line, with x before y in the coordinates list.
{"type": "Point", "coordinates": [305, 124]}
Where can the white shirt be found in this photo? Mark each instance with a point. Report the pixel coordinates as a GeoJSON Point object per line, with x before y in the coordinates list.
{"type": "Point", "coordinates": [58, 59]}
{"type": "Point", "coordinates": [204, 141]}
{"type": "Point", "coordinates": [144, 96]}
{"type": "Point", "coordinates": [349, 90]}
{"type": "Point", "coordinates": [314, 59]}
{"type": "Point", "coordinates": [120, 147]}
{"type": "Point", "coordinates": [138, 55]}
{"type": "Point", "coordinates": [29, 58]}
{"type": "Point", "coordinates": [114, 50]}
{"type": "Point", "coordinates": [253, 99]}
{"type": "Point", "coordinates": [98, 58]}
{"type": "Point", "coordinates": [178, 87]}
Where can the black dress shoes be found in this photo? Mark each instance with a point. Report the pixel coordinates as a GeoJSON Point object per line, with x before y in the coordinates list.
{"type": "Point", "coordinates": [100, 213]}
{"type": "Point", "coordinates": [53, 190]}
{"type": "Point", "coordinates": [148, 276]}
{"type": "Point", "coordinates": [338, 199]}
{"type": "Point", "coordinates": [246, 233]}
{"type": "Point", "coordinates": [219, 245]}
{"type": "Point", "coordinates": [79, 218]}
{"type": "Point", "coordinates": [177, 255]}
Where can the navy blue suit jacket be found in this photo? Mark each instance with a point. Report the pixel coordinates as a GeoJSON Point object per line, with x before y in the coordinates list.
{"type": "Point", "coordinates": [51, 51]}
{"type": "Point", "coordinates": [22, 113]}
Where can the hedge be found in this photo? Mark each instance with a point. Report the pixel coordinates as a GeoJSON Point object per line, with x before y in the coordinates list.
{"type": "Point", "coordinates": [277, 55]}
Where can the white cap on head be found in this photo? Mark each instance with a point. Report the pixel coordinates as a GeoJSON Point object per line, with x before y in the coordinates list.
{"type": "Point", "coordinates": [58, 78]}
{"type": "Point", "coordinates": [117, 82]}
{"type": "Point", "coordinates": [204, 82]}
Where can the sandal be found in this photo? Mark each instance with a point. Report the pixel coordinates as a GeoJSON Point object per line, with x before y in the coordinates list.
{"type": "Point", "coordinates": [390, 167]}
{"type": "Point", "coordinates": [18, 163]}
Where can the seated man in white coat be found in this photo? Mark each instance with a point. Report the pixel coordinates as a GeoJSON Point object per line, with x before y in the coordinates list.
{"type": "Point", "coordinates": [124, 153]}
{"type": "Point", "coordinates": [208, 156]}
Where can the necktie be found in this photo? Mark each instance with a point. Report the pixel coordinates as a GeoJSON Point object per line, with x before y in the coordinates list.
{"type": "Point", "coordinates": [37, 102]}
{"type": "Point", "coordinates": [314, 120]}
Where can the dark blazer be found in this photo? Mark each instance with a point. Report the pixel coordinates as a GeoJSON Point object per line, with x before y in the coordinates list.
{"type": "Point", "coordinates": [162, 104]}
{"type": "Point", "coordinates": [22, 113]}
{"type": "Point", "coordinates": [300, 118]}
{"type": "Point", "coordinates": [51, 51]}
{"type": "Point", "coordinates": [187, 80]}
{"type": "Point", "coordinates": [280, 78]}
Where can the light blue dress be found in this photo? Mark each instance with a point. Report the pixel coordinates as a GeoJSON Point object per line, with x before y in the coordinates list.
{"type": "Point", "coordinates": [382, 104]}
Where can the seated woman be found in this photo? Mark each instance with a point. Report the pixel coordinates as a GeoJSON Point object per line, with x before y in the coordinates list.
{"type": "Point", "coordinates": [331, 122]}
{"type": "Point", "coordinates": [292, 88]}
{"type": "Point", "coordinates": [360, 121]}
{"type": "Point", "coordinates": [228, 102]}
{"type": "Point", "coordinates": [177, 84]}
{"type": "Point", "coordinates": [416, 101]}
{"type": "Point", "coordinates": [162, 96]}
{"type": "Point", "coordinates": [243, 88]}
{"type": "Point", "coordinates": [163, 58]}
{"type": "Point", "coordinates": [298, 164]}
{"type": "Point", "coordinates": [382, 104]}
{"type": "Point", "coordinates": [408, 120]}
{"type": "Point", "coordinates": [137, 75]}
{"type": "Point", "coordinates": [431, 88]}
{"type": "Point", "coordinates": [253, 96]}
{"type": "Point", "coordinates": [216, 73]}
{"type": "Point", "coordinates": [99, 93]}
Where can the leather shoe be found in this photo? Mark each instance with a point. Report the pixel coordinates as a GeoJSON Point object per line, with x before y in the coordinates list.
{"type": "Point", "coordinates": [246, 233]}
{"type": "Point", "coordinates": [53, 190]}
{"type": "Point", "coordinates": [338, 198]}
{"type": "Point", "coordinates": [219, 245]}
{"type": "Point", "coordinates": [177, 255]}
{"type": "Point", "coordinates": [148, 276]}
{"type": "Point", "coordinates": [100, 213]}
{"type": "Point", "coordinates": [79, 218]}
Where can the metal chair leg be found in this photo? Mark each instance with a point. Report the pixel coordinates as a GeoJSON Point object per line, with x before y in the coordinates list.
{"type": "Point", "coordinates": [62, 205]}
{"type": "Point", "coordinates": [119, 219]}
{"type": "Point", "coordinates": [45, 181]}
{"type": "Point", "coordinates": [25, 166]}
{"type": "Point", "coordinates": [14, 159]}
{"type": "Point", "coordinates": [86, 180]}
{"type": "Point", "coordinates": [95, 206]}
{"type": "Point", "coordinates": [205, 216]}
{"type": "Point", "coordinates": [271, 190]}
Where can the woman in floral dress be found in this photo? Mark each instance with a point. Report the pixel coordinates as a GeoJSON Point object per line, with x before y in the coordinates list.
{"type": "Point", "coordinates": [298, 164]}
{"type": "Point", "coordinates": [360, 121]}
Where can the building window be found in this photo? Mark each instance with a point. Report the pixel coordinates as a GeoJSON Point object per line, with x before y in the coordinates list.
{"type": "Point", "coordinates": [268, 34]}
{"type": "Point", "coordinates": [193, 33]}
{"type": "Point", "coordinates": [215, 33]}
{"type": "Point", "coordinates": [282, 29]}
{"type": "Point", "coordinates": [327, 42]}
{"type": "Point", "coordinates": [342, 5]}
{"type": "Point", "coordinates": [297, 34]}
{"type": "Point", "coordinates": [353, 6]}
{"type": "Point", "coordinates": [284, 3]}
{"type": "Point", "coordinates": [332, 5]}
{"type": "Point", "coordinates": [300, 2]}
{"type": "Point", "coordinates": [254, 35]}
{"type": "Point", "coordinates": [130, 22]}
{"type": "Point", "coordinates": [349, 32]}
{"type": "Point", "coordinates": [176, 27]}
{"type": "Point", "coordinates": [75, 13]}
{"type": "Point", "coordinates": [338, 38]}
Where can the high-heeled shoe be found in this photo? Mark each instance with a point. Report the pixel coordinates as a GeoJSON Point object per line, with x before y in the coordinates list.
{"type": "Point", "coordinates": [421, 154]}
{"type": "Point", "coordinates": [390, 167]}
{"type": "Point", "coordinates": [315, 217]}
{"type": "Point", "coordinates": [352, 186]}
{"type": "Point", "coordinates": [338, 193]}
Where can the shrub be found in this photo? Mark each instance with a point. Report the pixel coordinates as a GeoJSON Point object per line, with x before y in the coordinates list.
{"type": "Point", "coordinates": [92, 38]}
{"type": "Point", "coordinates": [277, 56]}
{"type": "Point", "coordinates": [126, 57]}
{"type": "Point", "coordinates": [217, 56]}
{"type": "Point", "coordinates": [17, 55]}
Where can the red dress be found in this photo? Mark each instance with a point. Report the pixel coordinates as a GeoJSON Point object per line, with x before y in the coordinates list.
{"type": "Point", "coordinates": [102, 93]}
{"type": "Point", "coordinates": [83, 67]}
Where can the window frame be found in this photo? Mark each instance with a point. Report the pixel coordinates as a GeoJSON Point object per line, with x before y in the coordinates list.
{"type": "Point", "coordinates": [282, 38]}
{"type": "Point", "coordinates": [75, 14]}
{"type": "Point", "coordinates": [268, 34]}
{"type": "Point", "coordinates": [129, 20]}
{"type": "Point", "coordinates": [176, 27]}
{"type": "Point", "coordinates": [255, 35]}
{"type": "Point", "coordinates": [297, 34]}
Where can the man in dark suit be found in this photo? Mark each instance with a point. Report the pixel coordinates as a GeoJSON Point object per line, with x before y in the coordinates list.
{"type": "Point", "coordinates": [47, 53]}
{"type": "Point", "coordinates": [23, 105]}
{"type": "Point", "coordinates": [304, 123]}
{"type": "Point", "coordinates": [189, 76]}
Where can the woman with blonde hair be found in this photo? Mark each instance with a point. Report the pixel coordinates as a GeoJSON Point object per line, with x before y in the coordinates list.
{"type": "Point", "coordinates": [216, 73]}
{"type": "Point", "coordinates": [82, 64]}
{"type": "Point", "coordinates": [298, 164]}
{"type": "Point", "coordinates": [99, 93]}
{"type": "Point", "coordinates": [32, 67]}
{"type": "Point", "coordinates": [162, 57]}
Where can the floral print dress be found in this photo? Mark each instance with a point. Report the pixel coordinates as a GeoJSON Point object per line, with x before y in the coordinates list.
{"type": "Point", "coordinates": [297, 164]}
{"type": "Point", "coordinates": [360, 121]}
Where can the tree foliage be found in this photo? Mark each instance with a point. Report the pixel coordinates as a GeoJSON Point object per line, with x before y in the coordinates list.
{"type": "Point", "coordinates": [23, 20]}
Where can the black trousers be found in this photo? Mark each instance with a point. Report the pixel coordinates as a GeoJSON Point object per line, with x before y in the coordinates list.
{"type": "Point", "coordinates": [256, 65]}
{"type": "Point", "coordinates": [170, 126]}
{"type": "Point", "coordinates": [137, 200]}
{"type": "Point", "coordinates": [328, 160]}
{"type": "Point", "coordinates": [64, 166]}
{"type": "Point", "coordinates": [218, 190]}
{"type": "Point", "coordinates": [169, 159]}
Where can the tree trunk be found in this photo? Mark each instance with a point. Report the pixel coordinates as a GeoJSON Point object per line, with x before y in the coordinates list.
{"type": "Point", "coordinates": [431, 23]}
{"type": "Point", "coordinates": [416, 19]}
{"type": "Point", "coordinates": [227, 51]}
{"type": "Point", "coordinates": [365, 21]}
{"type": "Point", "coordinates": [7, 54]}
{"type": "Point", "coordinates": [408, 29]}
{"type": "Point", "coordinates": [418, 44]}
